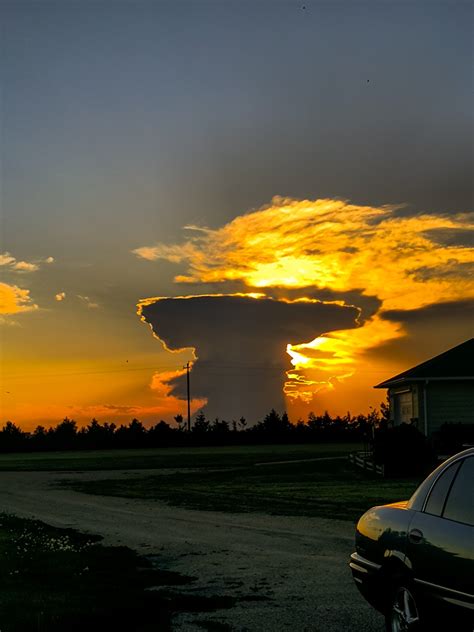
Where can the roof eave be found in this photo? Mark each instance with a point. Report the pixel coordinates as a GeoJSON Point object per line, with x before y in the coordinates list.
{"type": "Point", "coordinates": [407, 380]}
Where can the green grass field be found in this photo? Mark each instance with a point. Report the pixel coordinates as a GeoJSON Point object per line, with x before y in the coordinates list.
{"type": "Point", "coordinates": [325, 488]}
{"type": "Point", "coordinates": [215, 457]}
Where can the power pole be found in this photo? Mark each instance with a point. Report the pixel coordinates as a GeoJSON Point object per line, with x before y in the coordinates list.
{"type": "Point", "coordinates": [189, 399]}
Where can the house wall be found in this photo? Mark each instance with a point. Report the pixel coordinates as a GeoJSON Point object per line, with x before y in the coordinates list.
{"type": "Point", "coordinates": [449, 402]}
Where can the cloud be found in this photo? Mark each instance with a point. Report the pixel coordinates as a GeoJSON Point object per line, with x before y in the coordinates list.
{"type": "Point", "coordinates": [321, 244]}
{"type": "Point", "coordinates": [456, 310]}
{"type": "Point", "coordinates": [24, 266]}
{"type": "Point", "coordinates": [8, 260]}
{"type": "Point", "coordinates": [90, 304]}
{"type": "Point", "coordinates": [429, 330]}
{"type": "Point", "coordinates": [451, 269]}
{"type": "Point", "coordinates": [239, 344]}
{"type": "Point", "coordinates": [15, 300]}
{"type": "Point", "coordinates": [463, 237]}
{"type": "Point", "coordinates": [60, 296]}
{"type": "Point", "coordinates": [376, 258]}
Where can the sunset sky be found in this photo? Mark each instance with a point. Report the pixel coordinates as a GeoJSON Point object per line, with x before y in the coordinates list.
{"type": "Point", "coordinates": [280, 193]}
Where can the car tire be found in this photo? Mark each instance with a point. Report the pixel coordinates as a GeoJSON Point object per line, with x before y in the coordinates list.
{"type": "Point", "coordinates": [403, 612]}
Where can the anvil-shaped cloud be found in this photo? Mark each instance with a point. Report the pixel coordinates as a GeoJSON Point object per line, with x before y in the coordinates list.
{"type": "Point", "coordinates": [318, 249]}
{"type": "Point", "coordinates": [237, 341]}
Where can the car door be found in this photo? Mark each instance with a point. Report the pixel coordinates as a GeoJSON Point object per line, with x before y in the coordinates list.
{"type": "Point", "coordinates": [441, 537]}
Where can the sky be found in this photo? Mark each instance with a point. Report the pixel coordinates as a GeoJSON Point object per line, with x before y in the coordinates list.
{"type": "Point", "coordinates": [278, 193]}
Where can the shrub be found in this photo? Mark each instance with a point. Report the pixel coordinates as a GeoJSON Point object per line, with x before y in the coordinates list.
{"type": "Point", "coordinates": [403, 450]}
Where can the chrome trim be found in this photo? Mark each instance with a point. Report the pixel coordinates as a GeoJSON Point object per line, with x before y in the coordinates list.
{"type": "Point", "coordinates": [459, 593]}
{"type": "Point", "coordinates": [359, 569]}
{"type": "Point", "coordinates": [358, 559]}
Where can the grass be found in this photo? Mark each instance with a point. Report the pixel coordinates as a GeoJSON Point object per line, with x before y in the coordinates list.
{"type": "Point", "coordinates": [328, 488]}
{"type": "Point", "coordinates": [229, 456]}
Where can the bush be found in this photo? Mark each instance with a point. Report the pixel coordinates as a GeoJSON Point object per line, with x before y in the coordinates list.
{"type": "Point", "coordinates": [452, 437]}
{"type": "Point", "coordinates": [403, 450]}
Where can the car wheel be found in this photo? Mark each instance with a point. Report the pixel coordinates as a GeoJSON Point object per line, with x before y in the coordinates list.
{"type": "Point", "coordinates": [403, 614]}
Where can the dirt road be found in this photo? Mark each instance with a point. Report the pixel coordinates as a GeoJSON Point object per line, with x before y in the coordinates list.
{"type": "Point", "coordinates": [294, 570]}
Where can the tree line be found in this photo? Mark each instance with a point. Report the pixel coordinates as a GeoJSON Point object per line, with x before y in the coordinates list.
{"type": "Point", "coordinates": [273, 428]}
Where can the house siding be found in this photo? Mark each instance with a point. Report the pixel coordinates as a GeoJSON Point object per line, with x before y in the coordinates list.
{"type": "Point", "coordinates": [449, 402]}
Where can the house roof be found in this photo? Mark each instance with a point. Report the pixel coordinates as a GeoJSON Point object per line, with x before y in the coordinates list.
{"type": "Point", "coordinates": [456, 363]}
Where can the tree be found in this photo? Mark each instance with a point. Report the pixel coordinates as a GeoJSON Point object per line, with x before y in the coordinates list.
{"type": "Point", "coordinates": [180, 421]}
{"type": "Point", "coordinates": [201, 425]}
{"type": "Point", "coordinates": [64, 435]}
{"type": "Point", "coordinates": [12, 437]}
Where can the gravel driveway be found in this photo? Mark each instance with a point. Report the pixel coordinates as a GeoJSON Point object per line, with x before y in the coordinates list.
{"type": "Point", "coordinates": [293, 569]}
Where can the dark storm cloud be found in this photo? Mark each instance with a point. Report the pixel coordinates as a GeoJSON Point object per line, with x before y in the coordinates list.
{"type": "Point", "coordinates": [451, 236]}
{"type": "Point", "coordinates": [429, 330]}
{"type": "Point", "coordinates": [241, 343]}
{"type": "Point", "coordinates": [463, 310]}
{"type": "Point", "coordinates": [452, 269]}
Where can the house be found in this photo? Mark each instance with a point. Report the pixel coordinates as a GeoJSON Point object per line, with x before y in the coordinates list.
{"type": "Point", "coordinates": [435, 392]}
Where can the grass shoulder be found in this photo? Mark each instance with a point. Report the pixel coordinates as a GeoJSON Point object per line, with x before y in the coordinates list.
{"type": "Point", "coordinates": [325, 488]}
{"type": "Point", "coordinates": [149, 458]}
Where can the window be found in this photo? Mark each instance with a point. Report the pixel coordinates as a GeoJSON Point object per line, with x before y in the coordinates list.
{"type": "Point", "coordinates": [460, 503]}
{"type": "Point", "coordinates": [403, 405]}
{"type": "Point", "coordinates": [440, 490]}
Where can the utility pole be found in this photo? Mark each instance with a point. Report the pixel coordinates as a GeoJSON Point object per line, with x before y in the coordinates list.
{"type": "Point", "coordinates": [189, 399]}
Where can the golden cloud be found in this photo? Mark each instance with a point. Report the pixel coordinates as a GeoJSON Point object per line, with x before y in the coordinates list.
{"type": "Point", "coordinates": [87, 301]}
{"type": "Point", "coordinates": [14, 300]}
{"type": "Point", "coordinates": [407, 262]}
{"type": "Point", "coordinates": [7, 259]}
{"type": "Point", "coordinates": [24, 266]}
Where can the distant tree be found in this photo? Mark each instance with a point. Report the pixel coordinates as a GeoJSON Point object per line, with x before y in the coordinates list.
{"type": "Point", "coordinates": [219, 426]}
{"type": "Point", "coordinates": [242, 423]}
{"type": "Point", "coordinates": [97, 435]}
{"type": "Point", "coordinates": [136, 433]}
{"type": "Point", "coordinates": [40, 438]}
{"type": "Point", "coordinates": [180, 421]}
{"type": "Point", "coordinates": [12, 438]}
{"type": "Point", "coordinates": [201, 424]}
{"type": "Point", "coordinates": [64, 435]}
{"type": "Point", "coordinates": [385, 410]}
{"type": "Point", "coordinates": [275, 425]}
{"type": "Point", "coordinates": [160, 434]}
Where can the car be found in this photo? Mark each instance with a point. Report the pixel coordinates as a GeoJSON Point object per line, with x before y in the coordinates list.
{"type": "Point", "coordinates": [414, 560]}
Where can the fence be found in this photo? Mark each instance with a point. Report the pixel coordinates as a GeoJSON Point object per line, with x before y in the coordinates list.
{"type": "Point", "coordinates": [365, 461]}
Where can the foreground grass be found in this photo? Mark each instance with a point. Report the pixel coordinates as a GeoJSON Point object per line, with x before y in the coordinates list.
{"type": "Point", "coordinates": [327, 488]}
{"type": "Point", "coordinates": [57, 579]}
{"type": "Point", "coordinates": [146, 458]}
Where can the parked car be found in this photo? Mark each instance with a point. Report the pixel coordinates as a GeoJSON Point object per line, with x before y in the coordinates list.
{"type": "Point", "coordinates": [414, 560]}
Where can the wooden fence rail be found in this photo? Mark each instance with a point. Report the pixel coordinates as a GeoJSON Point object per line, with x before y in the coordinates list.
{"type": "Point", "coordinates": [365, 461]}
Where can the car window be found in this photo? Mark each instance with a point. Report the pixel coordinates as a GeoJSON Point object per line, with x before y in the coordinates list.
{"type": "Point", "coordinates": [440, 490]}
{"type": "Point", "coordinates": [460, 503]}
